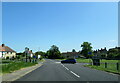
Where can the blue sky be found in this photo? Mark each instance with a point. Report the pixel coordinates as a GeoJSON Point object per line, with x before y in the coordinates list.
{"type": "Point", "coordinates": [65, 24]}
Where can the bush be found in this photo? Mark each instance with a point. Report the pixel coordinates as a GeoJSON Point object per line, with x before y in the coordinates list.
{"type": "Point", "coordinates": [12, 58]}
{"type": "Point", "coordinates": [18, 56]}
{"type": "Point", "coordinates": [7, 58]}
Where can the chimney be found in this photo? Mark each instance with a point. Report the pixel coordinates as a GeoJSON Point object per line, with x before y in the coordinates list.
{"type": "Point", "coordinates": [3, 45]}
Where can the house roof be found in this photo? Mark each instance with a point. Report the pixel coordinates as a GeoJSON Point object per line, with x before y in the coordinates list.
{"type": "Point", "coordinates": [4, 48]}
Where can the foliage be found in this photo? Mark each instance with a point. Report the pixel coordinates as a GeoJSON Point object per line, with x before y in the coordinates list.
{"type": "Point", "coordinates": [18, 57]}
{"type": "Point", "coordinates": [21, 54]}
{"type": "Point", "coordinates": [7, 57]}
{"type": "Point", "coordinates": [113, 53]}
{"type": "Point", "coordinates": [40, 53]}
{"type": "Point", "coordinates": [86, 48]}
{"type": "Point", "coordinates": [54, 52]}
{"type": "Point", "coordinates": [73, 50]}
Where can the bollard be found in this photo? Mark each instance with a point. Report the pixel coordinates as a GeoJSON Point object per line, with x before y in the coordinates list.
{"type": "Point", "coordinates": [105, 65]}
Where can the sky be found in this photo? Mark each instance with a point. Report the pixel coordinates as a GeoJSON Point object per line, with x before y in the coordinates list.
{"type": "Point", "coordinates": [39, 25]}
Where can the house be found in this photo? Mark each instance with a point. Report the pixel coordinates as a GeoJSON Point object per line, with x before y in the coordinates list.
{"type": "Point", "coordinates": [6, 51]}
{"type": "Point", "coordinates": [71, 54]}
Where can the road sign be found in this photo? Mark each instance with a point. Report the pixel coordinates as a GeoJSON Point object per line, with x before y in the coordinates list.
{"type": "Point", "coordinates": [89, 53]}
{"type": "Point", "coordinates": [39, 56]}
{"type": "Point", "coordinates": [34, 56]}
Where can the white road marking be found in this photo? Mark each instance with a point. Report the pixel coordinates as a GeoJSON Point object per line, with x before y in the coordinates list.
{"type": "Point", "coordinates": [75, 74]}
{"type": "Point", "coordinates": [66, 68]}
{"type": "Point", "coordinates": [62, 65]}
{"type": "Point", "coordinates": [57, 62]}
{"type": "Point", "coordinates": [71, 71]}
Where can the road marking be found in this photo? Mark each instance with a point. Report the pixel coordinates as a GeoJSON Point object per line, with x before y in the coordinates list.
{"type": "Point", "coordinates": [75, 74]}
{"type": "Point", "coordinates": [71, 71]}
{"type": "Point", "coordinates": [66, 68]}
{"type": "Point", "coordinates": [62, 65]}
{"type": "Point", "coordinates": [57, 62]}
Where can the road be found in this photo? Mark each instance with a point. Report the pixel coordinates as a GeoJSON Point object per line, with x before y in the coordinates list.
{"type": "Point", "coordinates": [53, 70]}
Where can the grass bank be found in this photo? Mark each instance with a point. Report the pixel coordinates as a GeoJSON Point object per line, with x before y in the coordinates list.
{"type": "Point", "coordinates": [80, 60]}
{"type": "Point", "coordinates": [111, 68]}
{"type": "Point", "coordinates": [12, 66]}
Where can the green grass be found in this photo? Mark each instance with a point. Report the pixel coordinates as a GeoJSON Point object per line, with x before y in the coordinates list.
{"type": "Point", "coordinates": [90, 60]}
{"type": "Point", "coordinates": [110, 68]}
{"type": "Point", "coordinates": [60, 59]}
{"type": "Point", "coordinates": [12, 66]}
{"type": "Point", "coordinates": [80, 60]}
{"type": "Point", "coordinates": [6, 61]}
{"type": "Point", "coordinates": [42, 60]}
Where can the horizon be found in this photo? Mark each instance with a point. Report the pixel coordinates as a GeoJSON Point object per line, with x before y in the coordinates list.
{"type": "Point", "coordinates": [66, 25]}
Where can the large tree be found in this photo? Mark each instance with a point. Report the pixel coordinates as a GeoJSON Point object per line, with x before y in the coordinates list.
{"type": "Point", "coordinates": [53, 52]}
{"type": "Point", "coordinates": [86, 49]}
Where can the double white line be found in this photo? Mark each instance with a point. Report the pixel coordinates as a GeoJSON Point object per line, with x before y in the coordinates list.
{"type": "Point", "coordinates": [71, 71]}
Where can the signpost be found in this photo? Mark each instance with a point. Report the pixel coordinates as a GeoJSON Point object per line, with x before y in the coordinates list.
{"type": "Point", "coordinates": [89, 53]}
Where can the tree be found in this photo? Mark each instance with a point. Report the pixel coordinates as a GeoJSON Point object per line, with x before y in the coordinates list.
{"type": "Point", "coordinates": [86, 49]}
{"type": "Point", "coordinates": [73, 50]}
{"type": "Point", "coordinates": [53, 52]}
{"type": "Point", "coordinates": [40, 53]}
{"type": "Point", "coordinates": [113, 53]}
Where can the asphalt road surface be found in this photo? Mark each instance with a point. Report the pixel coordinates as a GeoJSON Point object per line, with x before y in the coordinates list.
{"type": "Point", "coordinates": [53, 70]}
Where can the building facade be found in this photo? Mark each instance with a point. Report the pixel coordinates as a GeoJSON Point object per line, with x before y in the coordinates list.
{"type": "Point", "coordinates": [6, 51]}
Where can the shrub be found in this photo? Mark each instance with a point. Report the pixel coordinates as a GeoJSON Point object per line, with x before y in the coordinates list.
{"type": "Point", "coordinates": [7, 57]}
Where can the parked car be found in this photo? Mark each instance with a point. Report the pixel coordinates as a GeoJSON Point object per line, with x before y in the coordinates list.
{"type": "Point", "coordinates": [69, 61]}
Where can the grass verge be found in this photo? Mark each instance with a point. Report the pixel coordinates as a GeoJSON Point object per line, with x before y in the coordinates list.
{"type": "Point", "coordinates": [80, 60]}
{"type": "Point", "coordinates": [42, 60]}
{"type": "Point", "coordinates": [111, 68]}
{"type": "Point", "coordinates": [8, 68]}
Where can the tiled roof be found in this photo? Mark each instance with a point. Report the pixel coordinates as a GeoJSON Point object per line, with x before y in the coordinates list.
{"type": "Point", "coordinates": [4, 48]}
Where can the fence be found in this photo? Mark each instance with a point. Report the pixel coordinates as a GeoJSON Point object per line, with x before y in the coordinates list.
{"type": "Point", "coordinates": [115, 67]}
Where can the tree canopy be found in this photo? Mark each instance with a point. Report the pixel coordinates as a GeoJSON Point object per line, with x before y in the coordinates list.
{"type": "Point", "coordinates": [53, 52]}
{"type": "Point", "coordinates": [86, 49]}
{"type": "Point", "coordinates": [73, 50]}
